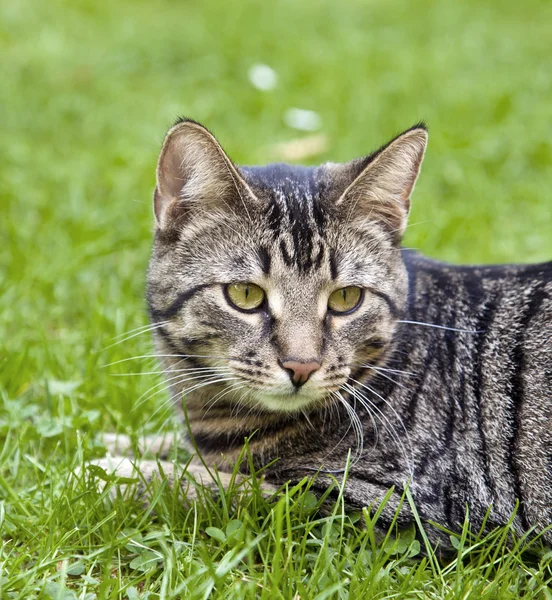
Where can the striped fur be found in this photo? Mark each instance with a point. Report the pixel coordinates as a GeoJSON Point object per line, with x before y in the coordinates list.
{"type": "Point", "coordinates": [442, 377]}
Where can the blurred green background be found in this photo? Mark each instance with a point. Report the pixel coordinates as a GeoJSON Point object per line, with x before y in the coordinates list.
{"type": "Point", "coordinates": [89, 88]}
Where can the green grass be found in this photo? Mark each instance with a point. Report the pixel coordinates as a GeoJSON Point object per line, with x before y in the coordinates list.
{"type": "Point", "coordinates": [87, 90]}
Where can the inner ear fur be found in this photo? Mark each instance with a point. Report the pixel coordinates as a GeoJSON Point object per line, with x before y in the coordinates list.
{"type": "Point", "coordinates": [193, 170]}
{"type": "Point", "coordinates": [382, 190]}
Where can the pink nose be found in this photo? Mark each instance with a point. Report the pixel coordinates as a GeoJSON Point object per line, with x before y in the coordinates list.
{"type": "Point", "coordinates": [300, 371]}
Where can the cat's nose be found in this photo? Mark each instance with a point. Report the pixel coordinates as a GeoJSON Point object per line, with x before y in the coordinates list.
{"type": "Point", "coordinates": [300, 371]}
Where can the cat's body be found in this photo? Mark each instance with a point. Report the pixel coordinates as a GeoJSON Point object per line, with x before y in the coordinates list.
{"type": "Point", "coordinates": [424, 372]}
{"type": "Point", "coordinates": [467, 414]}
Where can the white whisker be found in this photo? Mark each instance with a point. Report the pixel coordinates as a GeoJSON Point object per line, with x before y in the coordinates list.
{"type": "Point", "coordinates": [196, 387]}
{"type": "Point", "coordinates": [383, 369]}
{"type": "Point", "coordinates": [181, 356]}
{"type": "Point", "coordinates": [442, 327]}
{"type": "Point", "coordinates": [355, 423]}
{"type": "Point", "coordinates": [211, 403]}
{"type": "Point", "coordinates": [385, 421]}
{"type": "Point", "coordinates": [181, 379]}
{"type": "Point", "coordinates": [133, 333]}
{"type": "Point", "coordinates": [165, 371]}
{"type": "Point", "coordinates": [381, 374]}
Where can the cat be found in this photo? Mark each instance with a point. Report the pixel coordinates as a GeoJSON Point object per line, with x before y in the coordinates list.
{"type": "Point", "coordinates": [285, 309]}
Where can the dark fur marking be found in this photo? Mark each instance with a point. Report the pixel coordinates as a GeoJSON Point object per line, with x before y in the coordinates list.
{"type": "Point", "coordinates": [239, 262]}
{"type": "Point", "coordinates": [483, 324]}
{"type": "Point", "coordinates": [222, 442]}
{"type": "Point", "coordinates": [333, 265]}
{"type": "Point", "coordinates": [392, 306]}
{"type": "Point", "coordinates": [168, 341]}
{"type": "Point", "coordinates": [413, 401]}
{"type": "Point", "coordinates": [174, 308]}
{"type": "Point", "coordinates": [448, 508]}
{"type": "Point", "coordinates": [175, 349]}
{"type": "Point", "coordinates": [537, 297]}
{"type": "Point", "coordinates": [450, 373]}
{"type": "Point", "coordinates": [162, 332]}
{"type": "Point", "coordinates": [250, 372]}
{"type": "Point", "coordinates": [319, 256]}
{"type": "Point", "coordinates": [411, 273]}
{"type": "Point", "coordinates": [265, 259]}
{"type": "Point", "coordinates": [288, 260]}
{"type": "Point", "coordinates": [301, 233]}
{"type": "Point", "coordinates": [274, 218]}
{"type": "Point", "coordinates": [194, 361]}
{"type": "Point", "coordinates": [319, 217]}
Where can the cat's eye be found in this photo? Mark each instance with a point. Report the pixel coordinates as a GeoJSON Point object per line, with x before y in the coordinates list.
{"type": "Point", "coordinates": [345, 300]}
{"type": "Point", "coordinates": [245, 296]}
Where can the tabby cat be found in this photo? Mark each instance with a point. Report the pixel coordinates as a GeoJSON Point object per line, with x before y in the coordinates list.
{"type": "Point", "coordinates": [286, 310]}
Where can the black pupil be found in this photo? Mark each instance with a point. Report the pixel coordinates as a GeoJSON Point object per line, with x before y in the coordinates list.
{"type": "Point", "coordinates": [344, 293]}
{"type": "Point", "coordinates": [246, 292]}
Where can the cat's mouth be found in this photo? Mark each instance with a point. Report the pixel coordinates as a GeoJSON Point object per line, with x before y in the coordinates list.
{"type": "Point", "coordinates": [292, 401]}
{"type": "Point", "coordinates": [289, 390]}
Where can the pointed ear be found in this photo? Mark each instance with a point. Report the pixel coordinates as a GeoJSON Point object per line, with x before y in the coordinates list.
{"type": "Point", "coordinates": [193, 170]}
{"type": "Point", "coordinates": [382, 189]}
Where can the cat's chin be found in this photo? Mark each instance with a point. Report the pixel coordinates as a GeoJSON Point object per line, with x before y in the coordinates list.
{"type": "Point", "coordinates": [287, 403]}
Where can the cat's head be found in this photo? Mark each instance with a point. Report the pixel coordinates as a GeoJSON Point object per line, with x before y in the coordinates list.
{"type": "Point", "coordinates": [272, 286]}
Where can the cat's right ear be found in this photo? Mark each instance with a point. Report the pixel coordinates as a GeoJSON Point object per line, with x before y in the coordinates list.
{"type": "Point", "coordinates": [381, 190]}
{"type": "Point", "coordinates": [193, 172]}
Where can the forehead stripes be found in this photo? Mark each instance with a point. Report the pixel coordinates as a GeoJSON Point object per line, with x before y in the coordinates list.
{"type": "Point", "coordinates": [265, 259]}
{"type": "Point", "coordinates": [297, 223]}
{"type": "Point", "coordinates": [295, 216]}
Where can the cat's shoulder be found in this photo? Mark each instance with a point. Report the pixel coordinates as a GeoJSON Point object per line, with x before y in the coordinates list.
{"type": "Point", "coordinates": [418, 263]}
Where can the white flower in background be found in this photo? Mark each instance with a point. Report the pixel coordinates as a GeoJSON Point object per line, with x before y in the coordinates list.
{"type": "Point", "coordinates": [304, 120]}
{"type": "Point", "coordinates": [263, 77]}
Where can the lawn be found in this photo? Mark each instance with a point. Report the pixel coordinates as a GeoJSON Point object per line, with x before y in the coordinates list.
{"type": "Point", "coordinates": [87, 91]}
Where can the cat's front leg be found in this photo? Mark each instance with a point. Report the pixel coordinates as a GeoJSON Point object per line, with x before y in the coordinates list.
{"type": "Point", "coordinates": [120, 444]}
{"type": "Point", "coordinates": [193, 477]}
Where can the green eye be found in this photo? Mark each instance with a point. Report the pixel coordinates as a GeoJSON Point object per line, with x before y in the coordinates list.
{"type": "Point", "coordinates": [345, 299]}
{"type": "Point", "coordinates": [246, 296]}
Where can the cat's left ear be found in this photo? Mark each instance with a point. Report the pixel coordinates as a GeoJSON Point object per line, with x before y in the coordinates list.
{"type": "Point", "coordinates": [194, 176]}
{"type": "Point", "coordinates": [381, 191]}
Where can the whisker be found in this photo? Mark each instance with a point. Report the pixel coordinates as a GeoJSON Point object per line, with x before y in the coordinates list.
{"type": "Point", "coordinates": [181, 356]}
{"type": "Point", "coordinates": [166, 381]}
{"type": "Point", "coordinates": [166, 406]}
{"type": "Point", "coordinates": [401, 229]}
{"type": "Point", "coordinates": [356, 424]}
{"type": "Point", "coordinates": [374, 412]}
{"type": "Point", "coordinates": [385, 369]}
{"type": "Point", "coordinates": [386, 422]}
{"type": "Point", "coordinates": [221, 395]}
{"type": "Point", "coordinates": [141, 328]}
{"type": "Point", "coordinates": [133, 333]}
{"type": "Point", "coordinates": [192, 388]}
{"type": "Point", "coordinates": [442, 327]}
{"type": "Point", "coordinates": [163, 372]}
{"type": "Point", "coordinates": [238, 406]}
{"type": "Point", "coordinates": [306, 417]}
{"type": "Point", "coordinates": [381, 374]}
{"type": "Point", "coordinates": [372, 419]}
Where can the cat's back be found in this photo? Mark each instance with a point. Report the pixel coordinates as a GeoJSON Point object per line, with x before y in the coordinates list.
{"type": "Point", "coordinates": [492, 354]}
{"type": "Point", "coordinates": [500, 314]}
{"type": "Point", "coordinates": [483, 297]}
{"type": "Point", "coordinates": [418, 264]}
